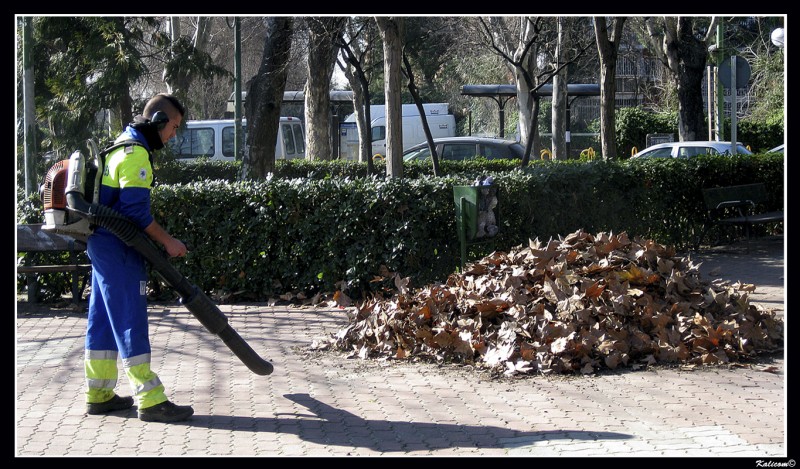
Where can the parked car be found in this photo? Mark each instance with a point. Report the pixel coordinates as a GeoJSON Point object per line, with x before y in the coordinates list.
{"type": "Point", "coordinates": [778, 149]}
{"type": "Point", "coordinates": [464, 148]}
{"type": "Point", "coordinates": [690, 149]}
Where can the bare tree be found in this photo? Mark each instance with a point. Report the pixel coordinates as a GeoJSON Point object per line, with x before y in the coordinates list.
{"type": "Point", "coordinates": [520, 41]}
{"type": "Point", "coordinates": [517, 45]}
{"type": "Point", "coordinates": [429, 44]}
{"type": "Point", "coordinates": [608, 49]}
{"type": "Point", "coordinates": [392, 31]}
{"type": "Point", "coordinates": [681, 44]}
{"type": "Point", "coordinates": [320, 61]}
{"type": "Point", "coordinates": [264, 98]}
{"type": "Point", "coordinates": [356, 44]}
{"type": "Point", "coordinates": [176, 78]}
{"type": "Point", "coordinates": [412, 88]}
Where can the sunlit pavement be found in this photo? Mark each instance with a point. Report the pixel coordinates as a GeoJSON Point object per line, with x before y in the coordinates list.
{"type": "Point", "coordinates": [324, 404]}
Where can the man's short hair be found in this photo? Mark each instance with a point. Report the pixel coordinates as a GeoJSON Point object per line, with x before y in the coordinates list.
{"type": "Point", "coordinates": [163, 102]}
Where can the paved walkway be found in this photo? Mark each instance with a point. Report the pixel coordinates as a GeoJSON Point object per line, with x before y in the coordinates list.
{"type": "Point", "coordinates": [322, 404]}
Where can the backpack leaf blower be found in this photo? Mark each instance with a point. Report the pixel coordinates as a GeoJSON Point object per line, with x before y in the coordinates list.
{"type": "Point", "coordinates": [67, 210]}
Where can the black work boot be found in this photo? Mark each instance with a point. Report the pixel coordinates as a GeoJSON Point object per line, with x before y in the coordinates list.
{"type": "Point", "coordinates": [115, 403]}
{"type": "Point", "coordinates": [166, 412]}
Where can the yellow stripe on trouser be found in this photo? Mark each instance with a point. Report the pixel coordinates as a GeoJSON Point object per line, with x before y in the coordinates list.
{"type": "Point", "coordinates": [144, 382]}
{"type": "Point", "coordinates": [101, 378]}
{"type": "Point", "coordinates": [101, 375]}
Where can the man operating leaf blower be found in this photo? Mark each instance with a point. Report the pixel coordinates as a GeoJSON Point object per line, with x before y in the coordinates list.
{"type": "Point", "coordinates": [121, 230]}
{"type": "Point", "coordinates": [118, 303]}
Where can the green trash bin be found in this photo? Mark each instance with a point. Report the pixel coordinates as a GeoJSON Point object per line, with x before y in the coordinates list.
{"type": "Point", "coordinates": [476, 215]}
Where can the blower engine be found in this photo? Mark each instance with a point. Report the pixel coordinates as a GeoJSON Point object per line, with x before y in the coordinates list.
{"type": "Point", "coordinates": [53, 193]}
{"type": "Point", "coordinates": [68, 211]}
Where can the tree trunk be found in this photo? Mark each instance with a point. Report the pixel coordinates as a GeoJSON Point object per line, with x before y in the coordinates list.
{"type": "Point", "coordinates": [174, 26]}
{"type": "Point", "coordinates": [264, 98]}
{"type": "Point", "coordinates": [391, 29]}
{"type": "Point", "coordinates": [124, 110]}
{"type": "Point", "coordinates": [519, 50]}
{"type": "Point", "coordinates": [680, 48]}
{"type": "Point", "coordinates": [323, 31]}
{"type": "Point", "coordinates": [560, 99]}
{"type": "Point", "coordinates": [607, 49]}
{"type": "Point", "coordinates": [692, 54]}
{"type": "Point", "coordinates": [365, 128]}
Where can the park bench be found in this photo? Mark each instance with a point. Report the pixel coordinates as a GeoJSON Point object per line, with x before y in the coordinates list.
{"type": "Point", "coordinates": [31, 238]}
{"type": "Point", "coordinates": [738, 206]}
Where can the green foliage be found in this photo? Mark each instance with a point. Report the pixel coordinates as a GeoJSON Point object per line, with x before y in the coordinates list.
{"type": "Point", "coordinates": [758, 135]}
{"type": "Point", "coordinates": [170, 171]}
{"type": "Point", "coordinates": [768, 68]}
{"type": "Point", "coordinates": [634, 123]}
{"type": "Point", "coordinates": [188, 61]}
{"type": "Point", "coordinates": [289, 235]}
{"type": "Point", "coordinates": [84, 65]}
{"type": "Point", "coordinates": [29, 208]}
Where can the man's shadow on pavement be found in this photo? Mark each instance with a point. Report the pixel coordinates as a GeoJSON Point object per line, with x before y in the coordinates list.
{"type": "Point", "coordinates": [328, 425]}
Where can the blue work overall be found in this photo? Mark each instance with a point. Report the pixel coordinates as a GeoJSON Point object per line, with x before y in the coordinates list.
{"type": "Point", "coordinates": [117, 324]}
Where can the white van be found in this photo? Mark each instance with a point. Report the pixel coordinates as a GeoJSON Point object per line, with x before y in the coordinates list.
{"type": "Point", "coordinates": [440, 123]}
{"type": "Point", "coordinates": [214, 139]}
{"type": "Point", "coordinates": [413, 131]}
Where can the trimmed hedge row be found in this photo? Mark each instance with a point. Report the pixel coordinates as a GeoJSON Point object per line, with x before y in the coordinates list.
{"type": "Point", "coordinates": [256, 240]}
{"type": "Point", "coordinates": [265, 238]}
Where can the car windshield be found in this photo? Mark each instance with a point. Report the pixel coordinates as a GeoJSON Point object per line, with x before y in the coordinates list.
{"type": "Point", "coordinates": [726, 150]}
{"type": "Point", "coordinates": [517, 150]}
{"type": "Point", "coordinates": [778, 149]}
{"type": "Point", "coordinates": [418, 154]}
{"type": "Point", "coordinates": [658, 153]}
{"type": "Point", "coordinates": [686, 152]}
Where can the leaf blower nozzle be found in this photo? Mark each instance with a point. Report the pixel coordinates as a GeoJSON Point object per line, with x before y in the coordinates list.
{"type": "Point", "coordinates": [212, 318]}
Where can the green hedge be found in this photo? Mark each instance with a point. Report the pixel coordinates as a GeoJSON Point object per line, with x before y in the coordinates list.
{"type": "Point", "coordinates": [256, 240]}
{"type": "Point", "coordinates": [169, 171]}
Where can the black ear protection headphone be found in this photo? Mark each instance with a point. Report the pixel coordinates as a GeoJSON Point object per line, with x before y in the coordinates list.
{"type": "Point", "coordinates": [150, 128]}
{"type": "Point", "coordinates": [160, 120]}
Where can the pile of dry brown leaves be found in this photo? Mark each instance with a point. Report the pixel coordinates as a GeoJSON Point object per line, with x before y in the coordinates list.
{"type": "Point", "coordinates": [578, 304]}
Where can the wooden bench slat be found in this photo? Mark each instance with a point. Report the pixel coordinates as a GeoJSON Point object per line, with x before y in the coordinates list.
{"type": "Point", "coordinates": [744, 193]}
{"type": "Point", "coordinates": [33, 238]}
{"type": "Point", "coordinates": [743, 199]}
{"type": "Point", "coordinates": [44, 269]}
{"type": "Point", "coordinates": [758, 218]}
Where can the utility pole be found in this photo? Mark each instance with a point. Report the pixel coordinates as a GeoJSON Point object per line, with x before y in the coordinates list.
{"type": "Point", "coordinates": [719, 56]}
{"type": "Point", "coordinates": [29, 118]}
{"type": "Point", "coordinates": [237, 89]}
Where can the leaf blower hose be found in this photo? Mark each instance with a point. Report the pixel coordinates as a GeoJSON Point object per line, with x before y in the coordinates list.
{"type": "Point", "coordinates": [191, 296]}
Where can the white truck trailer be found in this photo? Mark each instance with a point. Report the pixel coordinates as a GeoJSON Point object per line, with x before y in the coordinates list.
{"type": "Point", "coordinates": [440, 122]}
